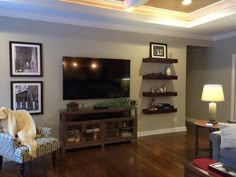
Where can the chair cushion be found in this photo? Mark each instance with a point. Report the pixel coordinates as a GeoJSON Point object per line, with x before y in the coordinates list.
{"type": "Point", "coordinates": [45, 145]}
{"type": "Point", "coordinates": [228, 135]}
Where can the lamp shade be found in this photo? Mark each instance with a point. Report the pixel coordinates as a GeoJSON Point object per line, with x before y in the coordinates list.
{"type": "Point", "coordinates": [212, 92]}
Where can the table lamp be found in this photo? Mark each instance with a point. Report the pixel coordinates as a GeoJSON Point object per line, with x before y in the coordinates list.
{"type": "Point", "coordinates": [212, 93]}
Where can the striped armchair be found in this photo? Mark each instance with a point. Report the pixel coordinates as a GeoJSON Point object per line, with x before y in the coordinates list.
{"type": "Point", "coordinates": [12, 149]}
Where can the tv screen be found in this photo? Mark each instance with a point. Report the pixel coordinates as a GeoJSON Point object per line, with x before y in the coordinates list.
{"type": "Point", "coordinates": [91, 78]}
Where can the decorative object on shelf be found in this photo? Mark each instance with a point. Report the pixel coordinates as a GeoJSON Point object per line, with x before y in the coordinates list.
{"type": "Point", "coordinates": [164, 88]}
{"type": "Point", "coordinates": [25, 59]}
{"type": "Point", "coordinates": [212, 93]}
{"type": "Point", "coordinates": [160, 90]}
{"type": "Point", "coordinates": [168, 71]}
{"type": "Point", "coordinates": [158, 50]}
{"type": "Point", "coordinates": [27, 95]}
{"type": "Point", "coordinates": [153, 90]}
{"type": "Point", "coordinates": [72, 106]}
{"type": "Point", "coordinates": [153, 105]}
{"type": "Point", "coordinates": [161, 106]}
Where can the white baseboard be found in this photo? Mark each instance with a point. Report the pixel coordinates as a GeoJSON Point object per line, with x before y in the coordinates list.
{"type": "Point", "coordinates": [162, 131]}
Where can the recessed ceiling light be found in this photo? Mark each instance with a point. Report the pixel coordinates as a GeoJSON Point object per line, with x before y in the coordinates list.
{"type": "Point", "coordinates": [186, 2]}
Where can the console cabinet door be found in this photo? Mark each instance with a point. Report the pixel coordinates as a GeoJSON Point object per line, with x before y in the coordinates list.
{"type": "Point", "coordinates": [92, 131]}
{"type": "Point", "coordinates": [74, 134]}
{"type": "Point", "coordinates": [120, 128]}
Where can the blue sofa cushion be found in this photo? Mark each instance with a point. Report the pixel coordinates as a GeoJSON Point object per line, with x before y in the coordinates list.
{"type": "Point", "coordinates": [229, 154]}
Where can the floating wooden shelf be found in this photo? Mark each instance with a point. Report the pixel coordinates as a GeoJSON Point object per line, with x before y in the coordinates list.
{"type": "Point", "coordinates": [150, 94]}
{"type": "Point", "coordinates": [160, 60]}
{"type": "Point", "coordinates": [149, 111]}
{"type": "Point", "coordinates": [159, 77]}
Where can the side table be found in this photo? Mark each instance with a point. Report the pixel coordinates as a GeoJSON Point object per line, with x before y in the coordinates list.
{"type": "Point", "coordinates": [202, 124]}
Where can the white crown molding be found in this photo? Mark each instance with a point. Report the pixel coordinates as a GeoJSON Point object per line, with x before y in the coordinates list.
{"type": "Point", "coordinates": [80, 21]}
{"type": "Point", "coordinates": [226, 6]}
{"type": "Point", "coordinates": [162, 131]}
{"type": "Point", "coordinates": [224, 36]}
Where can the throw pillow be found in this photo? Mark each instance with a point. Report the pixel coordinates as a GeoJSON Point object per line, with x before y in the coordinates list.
{"type": "Point", "coordinates": [228, 135]}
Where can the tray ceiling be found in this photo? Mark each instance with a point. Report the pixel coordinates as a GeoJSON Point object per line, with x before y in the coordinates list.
{"type": "Point", "coordinates": [201, 18]}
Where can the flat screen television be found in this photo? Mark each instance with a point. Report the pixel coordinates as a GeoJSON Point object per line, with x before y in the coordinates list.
{"type": "Point", "coordinates": [92, 78]}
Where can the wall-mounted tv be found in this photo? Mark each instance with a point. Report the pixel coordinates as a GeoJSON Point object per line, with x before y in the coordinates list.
{"type": "Point", "coordinates": [92, 78]}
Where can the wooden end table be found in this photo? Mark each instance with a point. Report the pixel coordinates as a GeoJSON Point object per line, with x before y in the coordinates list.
{"type": "Point", "coordinates": [202, 124]}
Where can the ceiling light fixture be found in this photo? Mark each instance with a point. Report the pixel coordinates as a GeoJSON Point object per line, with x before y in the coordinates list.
{"type": "Point", "coordinates": [186, 2]}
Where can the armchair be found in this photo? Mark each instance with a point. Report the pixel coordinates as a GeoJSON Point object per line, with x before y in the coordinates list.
{"type": "Point", "coordinates": [12, 149]}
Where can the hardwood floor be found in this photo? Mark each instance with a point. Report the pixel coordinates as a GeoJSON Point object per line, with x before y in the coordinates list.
{"type": "Point", "coordinates": [152, 156]}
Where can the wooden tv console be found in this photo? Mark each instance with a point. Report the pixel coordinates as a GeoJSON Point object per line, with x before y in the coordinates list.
{"type": "Point", "coordinates": [90, 127]}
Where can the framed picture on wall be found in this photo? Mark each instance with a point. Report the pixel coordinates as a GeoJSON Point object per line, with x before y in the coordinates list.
{"type": "Point", "coordinates": [27, 95]}
{"type": "Point", "coordinates": [25, 59]}
{"type": "Point", "coordinates": [158, 50]}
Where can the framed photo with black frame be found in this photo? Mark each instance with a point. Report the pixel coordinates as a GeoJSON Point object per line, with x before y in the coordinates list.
{"type": "Point", "coordinates": [158, 50]}
{"type": "Point", "coordinates": [25, 59]}
{"type": "Point", "coordinates": [27, 95]}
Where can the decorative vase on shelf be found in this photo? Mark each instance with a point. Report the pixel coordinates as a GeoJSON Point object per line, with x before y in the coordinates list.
{"type": "Point", "coordinates": [168, 71]}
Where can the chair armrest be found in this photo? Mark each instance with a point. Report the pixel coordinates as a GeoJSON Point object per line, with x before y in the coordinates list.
{"type": "Point", "coordinates": [8, 143]}
{"type": "Point", "coordinates": [44, 131]}
{"type": "Point", "coordinates": [215, 139]}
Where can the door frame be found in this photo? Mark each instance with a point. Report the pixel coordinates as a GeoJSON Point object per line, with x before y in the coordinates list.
{"type": "Point", "coordinates": [233, 91]}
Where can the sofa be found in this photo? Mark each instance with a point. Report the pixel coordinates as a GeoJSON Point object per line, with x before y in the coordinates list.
{"type": "Point", "coordinates": [220, 152]}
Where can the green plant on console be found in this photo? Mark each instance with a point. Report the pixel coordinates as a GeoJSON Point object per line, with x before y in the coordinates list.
{"type": "Point", "coordinates": [117, 103]}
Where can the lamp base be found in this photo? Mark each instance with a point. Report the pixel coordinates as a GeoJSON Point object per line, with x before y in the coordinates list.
{"type": "Point", "coordinates": [212, 121]}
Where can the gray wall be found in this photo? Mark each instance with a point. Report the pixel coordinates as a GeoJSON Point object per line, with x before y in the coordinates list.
{"type": "Point", "coordinates": [214, 65]}
{"type": "Point", "coordinates": [67, 40]}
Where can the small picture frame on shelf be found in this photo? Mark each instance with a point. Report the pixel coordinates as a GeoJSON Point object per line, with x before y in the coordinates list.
{"type": "Point", "coordinates": [25, 59]}
{"type": "Point", "coordinates": [27, 95]}
{"type": "Point", "coordinates": [158, 50]}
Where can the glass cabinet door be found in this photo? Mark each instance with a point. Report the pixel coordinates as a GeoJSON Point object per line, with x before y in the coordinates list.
{"type": "Point", "coordinates": [92, 131]}
{"type": "Point", "coordinates": [127, 128]}
{"type": "Point", "coordinates": [73, 134]}
{"type": "Point", "coordinates": [112, 129]}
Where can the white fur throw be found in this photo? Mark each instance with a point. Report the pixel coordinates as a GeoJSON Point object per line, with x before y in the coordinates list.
{"type": "Point", "coordinates": [228, 135]}
{"type": "Point", "coordinates": [20, 123]}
